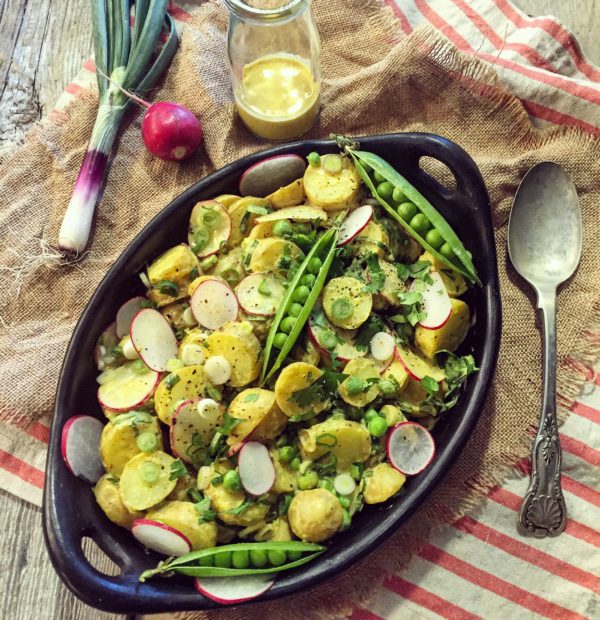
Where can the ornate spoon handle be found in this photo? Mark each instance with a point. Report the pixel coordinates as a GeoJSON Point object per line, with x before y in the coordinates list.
{"type": "Point", "coordinates": [543, 512]}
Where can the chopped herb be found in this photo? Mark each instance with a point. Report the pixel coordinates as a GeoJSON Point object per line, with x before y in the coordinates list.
{"type": "Point", "coordinates": [204, 510]}
{"type": "Point", "coordinates": [376, 274]}
{"type": "Point", "coordinates": [263, 288]}
{"type": "Point", "coordinates": [178, 470]}
{"type": "Point", "coordinates": [193, 274]}
{"type": "Point", "coordinates": [326, 466]}
{"type": "Point", "coordinates": [302, 417]}
{"type": "Point", "coordinates": [367, 330]}
{"type": "Point", "coordinates": [146, 303]}
{"type": "Point", "coordinates": [285, 262]}
{"type": "Point", "coordinates": [194, 495]}
{"type": "Point", "coordinates": [213, 392]}
{"type": "Point", "coordinates": [322, 389]}
{"type": "Point", "coordinates": [284, 505]}
{"type": "Point", "coordinates": [112, 479]}
{"type": "Point", "coordinates": [172, 379]}
{"type": "Point", "coordinates": [430, 385]}
{"type": "Point", "coordinates": [217, 480]}
{"type": "Point", "coordinates": [167, 287]}
{"type": "Point", "coordinates": [229, 423]}
{"type": "Point", "coordinates": [419, 271]}
{"type": "Point", "coordinates": [251, 398]}
{"type": "Point", "coordinates": [239, 509]}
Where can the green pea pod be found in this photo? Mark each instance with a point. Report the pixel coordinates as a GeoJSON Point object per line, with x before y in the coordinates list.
{"type": "Point", "coordinates": [324, 247]}
{"type": "Point", "coordinates": [437, 220]}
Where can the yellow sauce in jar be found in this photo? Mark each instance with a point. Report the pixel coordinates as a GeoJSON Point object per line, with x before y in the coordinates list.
{"type": "Point", "coordinates": [279, 97]}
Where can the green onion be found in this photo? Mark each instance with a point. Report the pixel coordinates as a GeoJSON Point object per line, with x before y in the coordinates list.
{"type": "Point", "coordinates": [201, 239]}
{"type": "Point", "coordinates": [167, 287]}
{"type": "Point", "coordinates": [263, 288]}
{"type": "Point", "coordinates": [150, 472]}
{"type": "Point", "coordinates": [341, 309]}
{"type": "Point", "coordinates": [211, 219]}
{"type": "Point", "coordinates": [208, 263]}
{"type": "Point", "coordinates": [147, 441]}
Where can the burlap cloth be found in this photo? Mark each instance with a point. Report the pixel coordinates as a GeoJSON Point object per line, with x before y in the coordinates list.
{"type": "Point", "coordinates": [373, 83]}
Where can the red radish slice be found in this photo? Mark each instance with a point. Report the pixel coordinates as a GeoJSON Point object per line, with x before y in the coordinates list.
{"type": "Point", "coordinates": [127, 389]}
{"type": "Point", "coordinates": [410, 448]}
{"type": "Point", "coordinates": [436, 302]}
{"type": "Point", "coordinates": [126, 313]}
{"type": "Point", "coordinates": [160, 537]}
{"type": "Point", "coordinates": [235, 448]}
{"type": "Point", "coordinates": [232, 590]}
{"type": "Point", "coordinates": [383, 346]}
{"type": "Point", "coordinates": [214, 304]}
{"type": "Point", "coordinates": [355, 222]}
{"type": "Point", "coordinates": [153, 339]}
{"type": "Point", "coordinates": [383, 365]}
{"type": "Point", "coordinates": [80, 443]}
{"type": "Point", "coordinates": [268, 175]}
{"type": "Point", "coordinates": [417, 366]}
{"type": "Point", "coordinates": [187, 424]}
{"type": "Point", "coordinates": [219, 230]}
{"type": "Point", "coordinates": [344, 349]}
{"type": "Point", "coordinates": [257, 472]}
{"type": "Point", "coordinates": [260, 294]}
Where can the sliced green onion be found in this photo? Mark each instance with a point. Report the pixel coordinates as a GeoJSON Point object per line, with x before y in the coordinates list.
{"type": "Point", "coordinates": [150, 472]}
{"type": "Point", "coordinates": [167, 287]}
{"type": "Point", "coordinates": [341, 309]}
{"type": "Point", "coordinates": [263, 288]}
{"type": "Point", "coordinates": [208, 263]}
{"type": "Point", "coordinates": [231, 276]}
{"type": "Point", "coordinates": [201, 239]}
{"type": "Point", "coordinates": [332, 163]}
{"type": "Point", "coordinates": [147, 441]}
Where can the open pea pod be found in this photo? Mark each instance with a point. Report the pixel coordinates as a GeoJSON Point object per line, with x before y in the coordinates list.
{"type": "Point", "coordinates": [324, 249]}
{"type": "Point", "coordinates": [466, 267]}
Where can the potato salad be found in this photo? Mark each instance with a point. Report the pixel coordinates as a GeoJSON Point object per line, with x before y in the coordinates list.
{"type": "Point", "coordinates": [286, 364]}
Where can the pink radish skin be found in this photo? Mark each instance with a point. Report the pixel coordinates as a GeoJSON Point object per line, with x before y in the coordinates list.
{"type": "Point", "coordinates": [232, 590]}
{"type": "Point", "coordinates": [436, 303]}
{"type": "Point", "coordinates": [153, 379]}
{"type": "Point", "coordinates": [235, 449]}
{"type": "Point", "coordinates": [399, 453]}
{"type": "Point", "coordinates": [354, 223]}
{"type": "Point", "coordinates": [79, 446]}
{"type": "Point", "coordinates": [170, 131]}
{"type": "Point", "coordinates": [160, 537]}
{"type": "Point", "coordinates": [153, 339]}
{"type": "Point", "coordinates": [213, 304]}
{"type": "Point", "coordinates": [126, 313]}
{"type": "Point", "coordinates": [268, 175]}
{"type": "Point", "coordinates": [256, 469]}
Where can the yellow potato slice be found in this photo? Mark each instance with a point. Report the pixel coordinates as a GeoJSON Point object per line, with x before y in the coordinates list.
{"type": "Point", "coordinates": [392, 285]}
{"type": "Point", "coordinates": [241, 222]}
{"type": "Point", "coordinates": [397, 372]}
{"type": "Point", "coordinates": [137, 492]}
{"type": "Point", "coordinates": [331, 191]}
{"type": "Point", "coordinates": [267, 254]}
{"type": "Point", "coordinates": [261, 231]}
{"type": "Point", "coordinates": [381, 482]}
{"type": "Point", "coordinates": [174, 313]}
{"type": "Point", "coordinates": [412, 398]}
{"type": "Point", "coordinates": [118, 442]}
{"type": "Point", "coordinates": [455, 284]}
{"type": "Point", "coordinates": [243, 330]}
{"type": "Point", "coordinates": [358, 302]}
{"type": "Point", "coordinates": [240, 355]}
{"type": "Point", "coordinates": [109, 499]}
{"type": "Point", "coordinates": [285, 476]}
{"type": "Point", "coordinates": [287, 196]}
{"type": "Point", "coordinates": [229, 267]}
{"type": "Point", "coordinates": [303, 213]}
{"type": "Point", "coordinates": [176, 265]}
{"type": "Point", "coordinates": [372, 240]}
{"type": "Point", "coordinates": [315, 515]}
{"type": "Point", "coordinates": [392, 415]}
{"type": "Point", "coordinates": [260, 414]}
{"type": "Point", "coordinates": [449, 336]}
{"type": "Point", "coordinates": [183, 517]}
{"type": "Point", "coordinates": [296, 376]}
{"type": "Point", "coordinates": [192, 383]}
{"type": "Point", "coordinates": [227, 200]}
{"type": "Point", "coordinates": [365, 369]}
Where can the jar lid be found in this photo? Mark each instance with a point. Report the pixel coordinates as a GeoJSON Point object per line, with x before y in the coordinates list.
{"type": "Point", "coordinates": [265, 9]}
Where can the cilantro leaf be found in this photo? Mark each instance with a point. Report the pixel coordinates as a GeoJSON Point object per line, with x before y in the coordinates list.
{"type": "Point", "coordinates": [367, 330]}
{"type": "Point", "coordinates": [229, 423]}
{"type": "Point", "coordinates": [320, 390]}
{"type": "Point", "coordinates": [430, 385]}
{"type": "Point", "coordinates": [178, 470]}
{"type": "Point", "coordinates": [376, 274]}
{"type": "Point", "coordinates": [239, 509]}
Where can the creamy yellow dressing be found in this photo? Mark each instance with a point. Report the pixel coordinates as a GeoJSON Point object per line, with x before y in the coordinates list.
{"type": "Point", "coordinates": [279, 97]}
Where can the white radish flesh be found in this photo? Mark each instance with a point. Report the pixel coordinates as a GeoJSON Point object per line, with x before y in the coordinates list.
{"type": "Point", "coordinates": [126, 389]}
{"type": "Point", "coordinates": [344, 349]}
{"type": "Point", "coordinates": [268, 175]}
{"type": "Point", "coordinates": [217, 370]}
{"type": "Point", "coordinates": [260, 294]}
{"type": "Point", "coordinates": [209, 409]}
{"type": "Point", "coordinates": [410, 448]}
{"type": "Point", "coordinates": [232, 590]}
{"type": "Point", "coordinates": [218, 231]}
{"type": "Point", "coordinates": [355, 222]}
{"type": "Point", "coordinates": [80, 447]}
{"type": "Point", "coordinates": [188, 423]}
{"type": "Point", "coordinates": [160, 537]}
{"type": "Point", "coordinates": [436, 302]}
{"type": "Point", "coordinates": [256, 469]}
{"type": "Point", "coordinates": [153, 339]}
{"type": "Point", "coordinates": [344, 484]}
{"type": "Point", "coordinates": [382, 346]}
{"type": "Point", "coordinates": [214, 304]}
{"type": "Point", "coordinates": [126, 313]}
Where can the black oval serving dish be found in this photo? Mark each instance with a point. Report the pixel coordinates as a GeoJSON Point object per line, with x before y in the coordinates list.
{"type": "Point", "coordinates": [70, 511]}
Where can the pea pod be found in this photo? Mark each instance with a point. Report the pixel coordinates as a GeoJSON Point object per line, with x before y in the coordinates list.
{"type": "Point", "coordinates": [188, 564]}
{"type": "Point", "coordinates": [324, 247]}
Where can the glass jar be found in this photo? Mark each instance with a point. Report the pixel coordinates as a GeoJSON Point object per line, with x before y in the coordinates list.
{"type": "Point", "coordinates": [274, 54]}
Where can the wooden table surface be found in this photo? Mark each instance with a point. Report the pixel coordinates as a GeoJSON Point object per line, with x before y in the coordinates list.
{"type": "Point", "coordinates": [42, 46]}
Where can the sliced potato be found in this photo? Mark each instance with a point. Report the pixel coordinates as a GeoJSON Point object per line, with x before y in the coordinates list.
{"type": "Point", "coordinates": [381, 482]}
{"type": "Point", "coordinates": [241, 354]}
{"type": "Point", "coordinates": [295, 377]}
{"type": "Point", "coordinates": [180, 492]}
{"type": "Point", "coordinates": [412, 398]}
{"type": "Point", "coordinates": [259, 413]}
{"type": "Point", "coordinates": [242, 222]}
{"type": "Point", "coordinates": [392, 414]}
{"type": "Point", "coordinates": [243, 330]}
{"type": "Point", "coordinates": [285, 476]}
{"type": "Point", "coordinates": [261, 231]}
{"type": "Point", "coordinates": [306, 351]}
{"type": "Point", "coordinates": [329, 190]}
{"type": "Point", "coordinates": [392, 285]}
{"type": "Point", "coordinates": [183, 517]}
{"type": "Point", "coordinates": [364, 369]}
{"type": "Point", "coordinates": [346, 293]}
{"type": "Point", "coordinates": [109, 499]}
{"type": "Point", "coordinates": [176, 265]}
{"type": "Point", "coordinates": [267, 254]}
{"type": "Point", "coordinates": [227, 199]}
{"type": "Point", "coordinates": [455, 284]}
{"type": "Point", "coordinates": [145, 480]}
{"type": "Point", "coordinates": [229, 267]}
{"type": "Point", "coordinates": [315, 515]}
{"type": "Point", "coordinates": [449, 336]}
{"type": "Point", "coordinates": [276, 531]}
{"type": "Point", "coordinates": [174, 313]}
{"type": "Point", "coordinates": [372, 240]}
{"type": "Point", "coordinates": [191, 383]}
{"type": "Point", "coordinates": [397, 372]}
{"type": "Point", "coordinates": [303, 213]}
{"type": "Point", "coordinates": [288, 195]}
{"type": "Point", "coordinates": [349, 441]}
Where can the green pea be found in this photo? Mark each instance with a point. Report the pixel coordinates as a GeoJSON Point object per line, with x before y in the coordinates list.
{"type": "Point", "coordinates": [276, 557]}
{"type": "Point", "coordinates": [385, 190]}
{"type": "Point", "coordinates": [287, 324]}
{"type": "Point", "coordinates": [223, 559]}
{"type": "Point", "coordinates": [447, 252]}
{"type": "Point", "coordinates": [295, 463]}
{"type": "Point", "coordinates": [387, 388]}
{"type": "Point", "coordinates": [327, 339]}
{"type": "Point", "coordinates": [295, 309]}
{"type": "Point", "coordinates": [398, 196]}
{"type": "Point", "coordinates": [377, 427]}
{"type": "Point", "coordinates": [325, 483]}
{"type": "Point", "coordinates": [282, 228]}
{"type": "Point", "coordinates": [434, 239]}
{"type": "Point", "coordinates": [301, 294]}
{"type": "Point", "coordinates": [280, 340]}
{"type": "Point", "coordinates": [286, 454]}
{"type": "Point", "coordinates": [308, 481]}
{"type": "Point", "coordinates": [370, 414]}
{"type": "Point", "coordinates": [308, 280]}
{"type": "Point", "coordinates": [231, 481]}
{"type": "Point", "coordinates": [378, 177]}
{"type": "Point", "coordinates": [355, 385]}
{"type": "Point", "coordinates": [258, 557]}
{"type": "Point", "coordinates": [208, 560]}
{"type": "Point", "coordinates": [419, 223]}
{"type": "Point", "coordinates": [344, 501]}
{"type": "Point", "coordinates": [293, 556]}
{"type": "Point", "coordinates": [346, 520]}
{"type": "Point", "coordinates": [314, 159]}
{"type": "Point", "coordinates": [314, 265]}
{"type": "Point", "coordinates": [240, 559]}
{"type": "Point", "coordinates": [407, 210]}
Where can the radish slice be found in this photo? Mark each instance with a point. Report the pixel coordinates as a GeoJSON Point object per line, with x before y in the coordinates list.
{"type": "Point", "coordinates": [256, 468]}
{"type": "Point", "coordinates": [218, 228]}
{"type": "Point", "coordinates": [436, 302]}
{"type": "Point", "coordinates": [410, 448]}
{"type": "Point", "coordinates": [231, 590]}
{"type": "Point", "coordinates": [125, 389]}
{"type": "Point", "coordinates": [383, 365]}
{"type": "Point", "coordinates": [214, 304]}
{"type": "Point", "coordinates": [160, 537]}
{"type": "Point", "coordinates": [354, 223]}
{"type": "Point", "coordinates": [108, 340]}
{"type": "Point", "coordinates": [344, 349]}
{"type": "Point", "coordinates": [344, 484]}
{"type": "Point", "coordinates": [80, 442]}
{"type": "Point", "coordinates": [383, 346]}
{"type": "Point", "coordinates": [126, 313]}
{"type": "Point", "coordinates": [268, 175]}
{"type": "Point", "coordinates": [418, 367]}
{"type": "Point", "coordinates": [153, 339]}
{"type": "Point", "coordinates": [193, 426]}
{"type": "Point", "coordinates": [260, 294]}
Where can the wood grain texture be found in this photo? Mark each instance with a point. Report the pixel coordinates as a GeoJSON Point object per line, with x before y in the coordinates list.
{"type": "Point", "coordinates": [42, 46]}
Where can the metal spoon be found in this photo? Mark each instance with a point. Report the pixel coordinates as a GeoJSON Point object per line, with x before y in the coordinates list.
{"type": "Point", "coordinates": [544, 244]}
